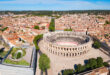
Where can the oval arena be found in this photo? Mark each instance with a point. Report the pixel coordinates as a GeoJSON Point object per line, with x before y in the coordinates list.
{"type": "Point", "coordinates": [66, 43]}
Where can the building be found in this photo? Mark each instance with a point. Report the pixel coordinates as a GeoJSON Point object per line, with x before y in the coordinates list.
{"type": "Point", "coordinates": [67, 44]}
{"type": "Point", "coordinates": [98, 71]}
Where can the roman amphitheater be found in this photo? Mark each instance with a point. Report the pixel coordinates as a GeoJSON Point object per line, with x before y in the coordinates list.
{"type": "Point", "coordinates": [67, 44]}
{"type": "Point", "coordinates": [65, 49]}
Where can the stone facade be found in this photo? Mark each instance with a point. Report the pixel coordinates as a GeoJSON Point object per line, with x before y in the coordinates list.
{"type": "Point", "coordinates": [84, 43]}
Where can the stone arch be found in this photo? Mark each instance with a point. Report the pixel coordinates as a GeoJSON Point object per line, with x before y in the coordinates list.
{"type": "Point", "coordinates": [75, 54]}
{"type": "Point", "coordinates": [56, 53]}
{"type": "Point", "coordinates": [70, 49]}
{"type": "Point", "coordinates": [64, 54]}
{"type": "Point", "coordinates": [67, 49]}
{"type": "Point", "coordinates": [73, 49]}
{"type": "Point", "coordinates": [80, 53]}
{"type": "Point", "coordinates": [53, 52]}
{"type": "Point", "coordinates": [67, 54]}
{"type": "Point", "coordinates": [72, 54]}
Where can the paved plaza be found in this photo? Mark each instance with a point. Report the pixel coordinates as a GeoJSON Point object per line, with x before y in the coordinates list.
{"type": "Point", "coordinates": [59, 63]}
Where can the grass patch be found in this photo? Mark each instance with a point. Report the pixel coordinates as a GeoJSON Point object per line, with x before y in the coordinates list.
{"type": "Point", "coordinates": [14, 50]}
{"type": "Point", "coordinates": [21, 62]}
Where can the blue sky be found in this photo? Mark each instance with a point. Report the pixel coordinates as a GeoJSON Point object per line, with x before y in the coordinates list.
{"type": "Point", "coordinates": [54, 4]}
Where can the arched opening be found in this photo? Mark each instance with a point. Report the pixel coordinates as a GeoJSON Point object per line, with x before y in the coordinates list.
{"type": "Point", "coordinates": [80, 53]}
{"type": "Point", "coordinates": [75, 54]}
{"type": "Point", "coordinates": [72, 54]}
{"type": "Point", "coordinates": [66, 54]}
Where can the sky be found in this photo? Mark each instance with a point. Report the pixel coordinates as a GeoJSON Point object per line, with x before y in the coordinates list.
{"type": "Point", "coordinates": [54, 4]}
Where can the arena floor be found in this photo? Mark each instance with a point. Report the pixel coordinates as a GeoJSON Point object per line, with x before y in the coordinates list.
{"type": "Point", "coordinates": [67, 43]}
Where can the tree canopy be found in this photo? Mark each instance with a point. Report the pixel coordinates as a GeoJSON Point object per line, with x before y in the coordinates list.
{"type": "Point", "coordinates": [36, 40]}
{"type": "Point", "coordinates": [96, 44]}
{"type": "Point", "coordinates": [36, 27]}
{"type": "Point", "coordinates": [50, 13]}
{"type": "Point", "coordinates": [68, 72]}
{"type": "Point", "coordinates": [44, 62]}
{"type": "Point", "coordinates": [91, 64]}
{"type": "Point", "coordinates": [68, 29]}
{"type": "Point", "coordinates": [99, 62]}
{"type": "Point", "coordinates": [52, 25]}
{"type": "Point", "coordinates": [3, 29]}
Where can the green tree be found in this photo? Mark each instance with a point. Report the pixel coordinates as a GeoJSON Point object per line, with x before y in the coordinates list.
{"type": "Point", "coordinates": [44, 62]}
{"type": "Point", "coordinates": [52, 25]}
{"type": "Point", "coordinates": [68, 72]}
{"type": "Point", "coordinates": [36, 40]}
{"type": "Point", "coordinates": [68, 29]}
{"type": "Point", "coordinates": [99, 62]}
{"type": "Point", "coordinates": [92, 63]}
{"type": "Point", "coordinates": [87, 66]}
{"type": "Point", "coordinates": [19, 55]}
{"type": "Point", "coordinates": [107, 22]}
{"type": "Point", "coordinates": [105, 64]}
{"type": "Point", "coordinates": [36, 27]}
{"type": "Point", "coordinates": [96, 45]}
{"type": "Point", "coordinates": [3, 29]}
{"type": "Point", "coordinates": [79, 68]}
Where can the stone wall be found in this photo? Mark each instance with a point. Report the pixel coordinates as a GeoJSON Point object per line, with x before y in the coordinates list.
{"type": "Point", "coordinates": [66, 51]}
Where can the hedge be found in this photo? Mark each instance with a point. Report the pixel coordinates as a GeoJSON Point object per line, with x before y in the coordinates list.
{"type": "Point", "coordinates": [21, 62]}
{"type": "Point", "coordinates": [36, 40]}
{"type": "Point", "coordinates": [68, 29]}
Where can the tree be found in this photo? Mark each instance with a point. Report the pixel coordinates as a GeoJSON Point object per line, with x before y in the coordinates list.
{"type": "Point", "coordinates": [52, 25]}
{"type": "Point", "coordinates": [79, 68]}
{"type": "Point", "coordinates": [36, 27]}
{"type": "Point", "coordinates": [99, 62]}
{"type": "Point", "coordinates": [36, 40]}
{"type": "Point", "coordinates": [107, 22]}
{"type": "Point", "coordinates": [19, 55]}
{"type": "Point", "coordinates": [96, 45]}
{"type": "Point", "coordinates": [68, 29]}
{"type": "Point", "coordinates": [68, 72]}
{"type": "Point", "coordinates": [106, 64]}
{"type": "Point", "coordinates": [4, 29]}
{"type": "Point", "coordinates": [44, 62]}
{"type": "Point", "coordinates": [87, 66]}
{"type": "Point", "coordinates": [92, 63]}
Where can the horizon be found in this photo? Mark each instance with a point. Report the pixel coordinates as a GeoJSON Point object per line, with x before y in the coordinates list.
{"type": "Point", "coordinates": [60, 10]}
{"type": "Point", "coordinates": [54, 5]}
